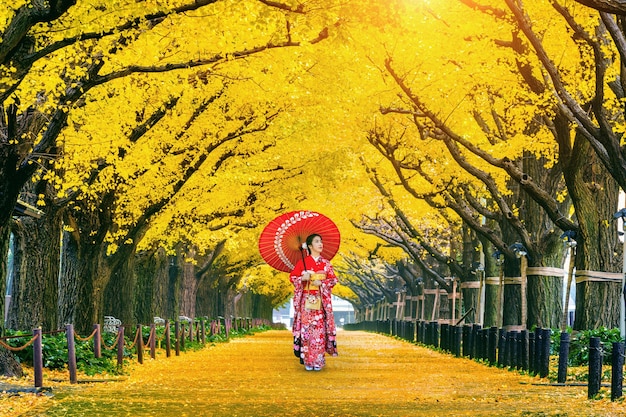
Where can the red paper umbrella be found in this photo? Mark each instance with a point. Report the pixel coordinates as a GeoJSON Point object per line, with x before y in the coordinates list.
{"type": "Point", "coordinates": [281, 241]}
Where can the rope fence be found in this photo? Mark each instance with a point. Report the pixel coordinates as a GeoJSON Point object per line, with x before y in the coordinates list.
{"type": "Point", "coordinates": [218, 327]}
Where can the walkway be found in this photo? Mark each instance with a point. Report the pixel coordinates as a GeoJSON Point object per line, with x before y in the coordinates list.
{"type": "Point", "coordinates": [373, 376]}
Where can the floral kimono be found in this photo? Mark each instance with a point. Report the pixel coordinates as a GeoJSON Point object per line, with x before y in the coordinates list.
{"type": "Point", "coordinates": [313, 329]}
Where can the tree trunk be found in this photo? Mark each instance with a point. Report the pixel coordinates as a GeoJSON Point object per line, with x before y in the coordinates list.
{"type": "Point", "coordinates": [207, 300]}
{"type": "Point", "coordinates": [68, 282]}
{"type": "Point", "coordinates": [84, 271]}
{"type": "Point", "coordinates": [492, 292]}
{"type": "Point", "coordinates": [151, 269]}
{"type": "Point", "coordinates": [594, 194]}
{"type": "Point", "coordinates": [261, 307]}
{"type": "Point", "coordinates": [174, 278]}
{"type": "Point", "coordinates": [189, 289]}
{"type": "Point", "coordinates": [36, 277]}
{"type": "Point", "coordinates": [545, 301]}
{"type": "Point", "coordinates": [544, 292]}
{"type": "Point", "coordinates": [119, 294]}
{"type": "Point", "coordinates": [5, 239]}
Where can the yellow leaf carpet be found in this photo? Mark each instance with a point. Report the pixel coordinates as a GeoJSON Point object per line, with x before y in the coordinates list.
{"type": "Point", "coordinates": [374, 375]}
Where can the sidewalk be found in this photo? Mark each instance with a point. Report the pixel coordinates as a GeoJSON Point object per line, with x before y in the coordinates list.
{"type": "Point", "coordinates": [373, 376]}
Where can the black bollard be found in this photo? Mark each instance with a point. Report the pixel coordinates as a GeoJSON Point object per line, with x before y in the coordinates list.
{"type": "Point", "coordinates": [458, 337]}
{"type": "Point", "coordinates": [595, 367]}
{"type": "Point", "coordinates": [617, 372]}
{"type": "Point", "coordinates": [501, 347]}
{"type": "Point", "coordinates": [524, 349]}
{"type": "Point", "coordinates": [435, 334]}
{"type": "Point", "coordinates": [563, 357]}
{"type": "Point", "coordinates": [475, 340]}
{"type": "Point", "coordinates": [418, 331]}
{"type": "Point", "coordinates": [538, 349]}
{"type": "Point", "coordinates": [545, 353]}
{"type": "Point", "coordinates": [493, 345]}
{"type": "Point", "coordinates": [517, 350]}
{"type": "Point", "coordinates": [485, 347]}
{"type": "Point", "coordinates": [531, 353]}
{"type": "Point", "coordinates": [509, 350]}
{"type": "Point", "coordinates": [467, 339]}
{"type": "Point", "coordinates": [444, 337]}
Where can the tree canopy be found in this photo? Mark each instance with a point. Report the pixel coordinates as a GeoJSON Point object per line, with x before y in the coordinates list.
{"type": "Point", "coordinates": [154, 124]}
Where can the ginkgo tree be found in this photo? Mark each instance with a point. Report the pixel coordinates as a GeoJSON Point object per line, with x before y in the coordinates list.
{"type": "Point", "coordinates": [177, 131]}
{"type": "Point", "coordinates": [117, 47]}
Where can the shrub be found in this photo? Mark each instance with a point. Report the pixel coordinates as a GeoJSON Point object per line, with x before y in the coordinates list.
{"type": "Point", "coordinates": [579, 345]}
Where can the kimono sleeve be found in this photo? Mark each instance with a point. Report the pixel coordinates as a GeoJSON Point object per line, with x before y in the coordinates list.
{"type": "Point", "coordinates": [296, 273]}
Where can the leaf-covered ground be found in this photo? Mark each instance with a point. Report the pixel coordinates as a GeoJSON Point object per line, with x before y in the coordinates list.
{"type": "Point", "coordinates": [373, 376]}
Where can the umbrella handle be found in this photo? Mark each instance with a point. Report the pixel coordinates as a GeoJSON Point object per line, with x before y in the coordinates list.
{"type": "Point", "coordinates": [302, 253]}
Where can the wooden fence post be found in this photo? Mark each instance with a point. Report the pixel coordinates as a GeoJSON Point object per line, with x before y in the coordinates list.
{"type": "Point", "coordinates": [97, 341]}
{"type": "Point", "coordinates": [153, 341]}
{"type": "Point", "coordinates": [71, 352]}
{"type": "Point", "coordinates": [182, 336]}
{"type": "Point", "coordinates": [120, 346]}
{"type": "Point", "coordinates": [139, 345]}
{"type": "Point", "coordinates": [203, 330]}
{"type": "Point", "coordinates": [177, 337]}
{"type": "Point", "coordinates": [168, 342]}
{"type": "Point", "coordinates": [38, 358]}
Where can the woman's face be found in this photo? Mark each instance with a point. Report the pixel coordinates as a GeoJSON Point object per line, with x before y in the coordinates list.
{"type": "Point", "coordinates": [317, 245]}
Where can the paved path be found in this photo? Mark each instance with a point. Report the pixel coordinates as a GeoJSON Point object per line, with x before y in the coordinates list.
{"type": "Point", "coordinates": [373, 376]}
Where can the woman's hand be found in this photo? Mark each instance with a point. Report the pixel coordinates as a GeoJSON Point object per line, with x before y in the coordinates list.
{"type": "Point", "coordinates": [317, 282]}
{"type": "Point", "coordinates": [306, 275]}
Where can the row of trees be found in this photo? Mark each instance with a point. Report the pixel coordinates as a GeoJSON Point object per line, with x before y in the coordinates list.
{"type": "Point", "coordinates": [123, 123]}
{"type": "Point", "coordinates": [525, 153]}
{"type": "Point", "coordinates": [159, 139]}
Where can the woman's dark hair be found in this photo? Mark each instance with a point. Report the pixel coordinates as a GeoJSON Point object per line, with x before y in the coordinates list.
{"type": "Point", "coordinates": [309, 241]}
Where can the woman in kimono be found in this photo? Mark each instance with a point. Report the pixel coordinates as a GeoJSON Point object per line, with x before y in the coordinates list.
{"type": "Point", "coordinates": [314, 328]}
